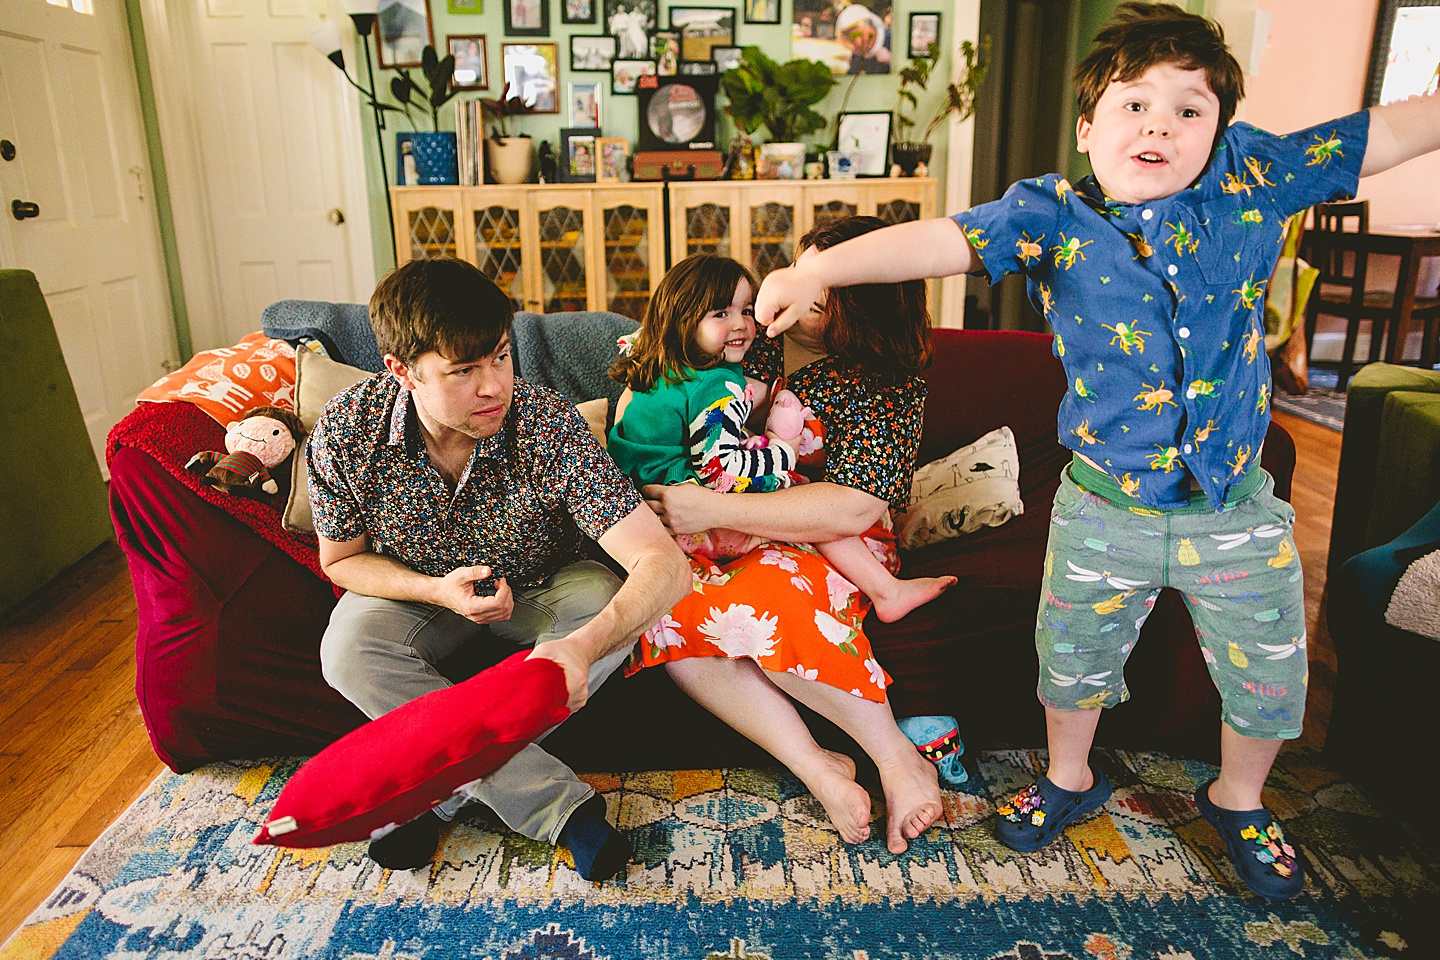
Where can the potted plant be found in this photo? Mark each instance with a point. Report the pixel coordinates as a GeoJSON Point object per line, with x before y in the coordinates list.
{"type": "Point", "coordinates": [433, 150]}
{"type": "Point", "coordinates": [779, 97]}
{"type": "Point", "coordinates": [959, 99]}
{"type": "Point", "coordinates": [511, 157]}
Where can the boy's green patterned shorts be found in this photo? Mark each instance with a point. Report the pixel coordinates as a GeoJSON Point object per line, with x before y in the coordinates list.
{"type": "Point", "coordinates": [1237, 570]}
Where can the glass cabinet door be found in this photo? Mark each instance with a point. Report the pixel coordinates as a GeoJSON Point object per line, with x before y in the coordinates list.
{"type": "Point", "coordinates": [832, 210]}
{"type": "Point", "coordinates": [626, 228]}
{"type": "Point", "coordinates": [903, 200]}
{"type": "Point", "coordinates": [707, 229]}
{"type": "Point", "coordinates": [772, 226]}
{"type": "Point", "coordinates": [496, 225]}
{"type": "Point", "coordinates": [426, 223]}
{"type": "Point", "coordinates": [564, 277]}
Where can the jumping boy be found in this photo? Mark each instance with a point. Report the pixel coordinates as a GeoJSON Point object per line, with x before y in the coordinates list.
{"type": "Point", "coordinates": [1152, 273]}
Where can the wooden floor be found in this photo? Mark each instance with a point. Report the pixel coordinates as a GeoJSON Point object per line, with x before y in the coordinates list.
{"type": "Point", "coordinates": [74, 753]}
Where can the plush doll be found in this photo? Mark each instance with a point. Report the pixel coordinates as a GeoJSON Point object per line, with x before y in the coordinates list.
{"type": "Point", "coordinates": [938, 738]}
{"type": "Point", "coordinates": [254, 445]}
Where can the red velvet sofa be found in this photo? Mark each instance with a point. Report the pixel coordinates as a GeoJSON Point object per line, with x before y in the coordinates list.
{"type": "Point", "coordinates": [229, 623]}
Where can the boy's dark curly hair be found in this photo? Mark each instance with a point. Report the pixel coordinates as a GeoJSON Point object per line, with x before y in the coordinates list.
{"type": "Point", "coordinates": [1142, 35]}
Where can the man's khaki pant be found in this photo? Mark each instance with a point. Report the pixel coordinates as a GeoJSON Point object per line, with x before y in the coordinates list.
{"type": "Point", "coordinates": [382, 653]}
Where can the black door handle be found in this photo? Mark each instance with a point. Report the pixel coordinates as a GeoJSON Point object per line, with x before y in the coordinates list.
{"type": "Point", "coordinates": [23, 209]}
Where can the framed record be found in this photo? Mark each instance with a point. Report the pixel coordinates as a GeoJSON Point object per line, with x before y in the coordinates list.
{"type": "Point", "coordinates": [678, 113]}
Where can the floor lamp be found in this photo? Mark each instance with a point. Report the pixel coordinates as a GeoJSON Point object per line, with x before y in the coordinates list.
{"type": "Point", "coordinates": [327, 40]}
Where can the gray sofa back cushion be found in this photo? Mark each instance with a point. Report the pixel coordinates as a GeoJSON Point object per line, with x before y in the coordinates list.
{"type": "Point", "coordinates": [568, 352]}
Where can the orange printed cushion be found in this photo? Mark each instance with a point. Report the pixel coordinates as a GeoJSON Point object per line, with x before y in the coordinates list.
{"type": "Point", "coordinates": [400, 765]}
{"type": "Point", "coordinates": [228, 382]}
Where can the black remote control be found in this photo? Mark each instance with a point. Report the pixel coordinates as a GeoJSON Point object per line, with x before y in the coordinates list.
{"type": "Point", "coordinates": [486, 587]}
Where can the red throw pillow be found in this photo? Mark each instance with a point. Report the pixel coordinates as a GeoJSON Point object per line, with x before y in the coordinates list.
{"type": "Point", "coordinates": [398, 766]}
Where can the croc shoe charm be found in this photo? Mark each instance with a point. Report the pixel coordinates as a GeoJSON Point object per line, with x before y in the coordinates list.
{"type": "Point", "coordinates": [938, 738]}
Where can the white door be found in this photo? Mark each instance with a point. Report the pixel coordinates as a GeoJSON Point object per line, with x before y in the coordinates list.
{"type": "Point", "coordinates": [70, 107]}
{"type": "Point", "coordinates": [271, 148]}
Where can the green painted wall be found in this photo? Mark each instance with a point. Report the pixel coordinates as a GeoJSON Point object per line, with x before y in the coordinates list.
{"type": "Point", "coordinates": [619, 114]}
{"type": "Point", "coordinates": [159, 179]}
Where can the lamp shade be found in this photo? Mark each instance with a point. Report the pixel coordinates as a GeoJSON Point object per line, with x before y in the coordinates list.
{"type": "Point", "coordinates": [326, 39]}
{"type": "Point", "coordinates": [362, 14]}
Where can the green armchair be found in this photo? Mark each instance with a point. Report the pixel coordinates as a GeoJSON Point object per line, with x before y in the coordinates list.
{"type": "Point", "coordinates": [1389, 458]}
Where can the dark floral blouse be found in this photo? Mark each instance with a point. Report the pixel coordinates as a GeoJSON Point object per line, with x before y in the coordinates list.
{"type": "Point", "coordinates": [872, 430]}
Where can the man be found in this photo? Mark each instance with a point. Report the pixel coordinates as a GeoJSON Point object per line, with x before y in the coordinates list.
{"type": "Point", "coordinates": [450, 500]}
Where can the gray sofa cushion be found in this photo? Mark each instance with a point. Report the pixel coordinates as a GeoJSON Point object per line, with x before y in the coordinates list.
{"type": "Point", "coordinates": [568, 352]}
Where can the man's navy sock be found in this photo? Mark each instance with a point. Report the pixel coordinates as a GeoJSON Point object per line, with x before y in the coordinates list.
{"type": "Point", "coordinates": [409, 846]}
{"type": "Point", "coordinates": [598, 849]}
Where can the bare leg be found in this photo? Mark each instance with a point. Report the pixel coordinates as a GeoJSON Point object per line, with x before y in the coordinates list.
{"type": "Point", "coordinates": [1070, 734]}
{"type": "Point", "coordinates": [893, 597]}
{"type": "Point", "coordinates": [1244, 765]}
{"type": "Point", "coordinates": [738, 692]}
{"type": "Point", "coordinates": [1291, 367]}
{"type": "Point", "coordinates": [912, 788]}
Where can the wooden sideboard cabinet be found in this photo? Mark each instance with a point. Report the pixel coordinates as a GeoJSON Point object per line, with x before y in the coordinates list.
{"type": "Point", "coordinates": [551, 247]}
{"type": "Point", "coordinates": [555, 247]}
{"type": "Point", "coordinates": [760, 222]}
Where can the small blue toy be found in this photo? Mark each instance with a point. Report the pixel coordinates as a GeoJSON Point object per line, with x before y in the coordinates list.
{"type": "Point", "coordinates": [938, 738]}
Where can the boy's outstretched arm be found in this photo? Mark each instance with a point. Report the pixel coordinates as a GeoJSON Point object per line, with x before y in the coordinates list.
{"type": "Point", "coordinates": [917, 250]}
{"type": "Point", "coordinates": [1402, 131]}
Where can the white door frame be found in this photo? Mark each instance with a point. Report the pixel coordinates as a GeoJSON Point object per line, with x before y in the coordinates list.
{"type": "Point", "coordinates": [171, 37]}
{"type": "Point", "coordinates": [960, 158]}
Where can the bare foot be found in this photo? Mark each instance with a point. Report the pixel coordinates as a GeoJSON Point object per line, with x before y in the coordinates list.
{"type": "Point", "coordinates": [912, 799]}
{"type": "Point", "coordinates": [906, 595]}
{"type": "Point", "coordinates": [846, 803]}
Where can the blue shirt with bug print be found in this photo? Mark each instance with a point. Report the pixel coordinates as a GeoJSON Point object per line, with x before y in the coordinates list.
{"type": "Point", "coordinates": [1158, 307]}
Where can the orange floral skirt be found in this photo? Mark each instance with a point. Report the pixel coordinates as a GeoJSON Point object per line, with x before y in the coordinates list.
{"type": "Point", "coordinates": [781, 605]}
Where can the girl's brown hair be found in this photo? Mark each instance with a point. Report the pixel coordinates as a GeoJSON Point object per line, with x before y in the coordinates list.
{"type": "Point", "coordinates": [1143, 35]}
{"type": "Point", "coordinates": [882, 329]}
{"type": "Point", "coordinates": [664, 346]}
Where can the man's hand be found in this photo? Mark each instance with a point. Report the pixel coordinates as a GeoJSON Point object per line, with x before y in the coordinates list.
{"type": "Point", "coordinates": [575, 665]}
{"type": "Point", "coordinates": [456, 591]}
{"type": "Point", "coordinates": [682, 507]}
{"type": "Point", "coordinates": [785, 296]}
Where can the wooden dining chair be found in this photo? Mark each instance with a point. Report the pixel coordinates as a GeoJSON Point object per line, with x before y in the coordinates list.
{"type": "Point", "coordinates": [1338, 244]}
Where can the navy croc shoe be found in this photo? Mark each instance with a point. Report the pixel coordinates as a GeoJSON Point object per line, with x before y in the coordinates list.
{"type": "Point", "coordinates": [1266, 862]}
{"type": "Point", "coordinates": [1037, 814]}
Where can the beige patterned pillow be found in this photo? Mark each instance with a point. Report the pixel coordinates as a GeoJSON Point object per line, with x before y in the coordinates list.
{"type": "Point", "coordinates": [976, 486]}
{"type": "Point", "coordinates": [317, 379]}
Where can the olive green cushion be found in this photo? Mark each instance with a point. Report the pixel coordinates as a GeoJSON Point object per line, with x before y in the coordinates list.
{"type": "Point", "coordinates": [1361, 484]}
{"type": "Point", "coordinates": [52, 504]}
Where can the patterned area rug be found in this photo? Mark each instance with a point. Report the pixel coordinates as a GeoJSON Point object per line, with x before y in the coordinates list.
{"type": "Point", "coordinates": [1321, 404]}
{"type": "Point", "coordinates": [741, 864]}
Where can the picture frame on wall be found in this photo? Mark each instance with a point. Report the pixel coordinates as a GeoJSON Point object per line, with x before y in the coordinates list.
{"type": "Point", "coordinates": [403, 30]}
{"type": "Point", "coordinates": [688, 69]}
{"type": "Point", "coordinates": [924, 30]}
{"type": "Point", "coordinates": [762, 11]}
{"type": "Point", "coordinates": [527, 18]}
{"type": "Point", "coordinates": [631, 22]}
{"type": "Point", "coordinates": [701, 29]}
{"type": "Point", "coordinates": [665, 51]}
{"type": "Point", "coordinates": [1402, 57]}
{"type": "Point", "coordinates": [612, 159]}
{"type": "Point", "coordinates": [726, 57]}
{"type": "Point", "coordinates": [856, 39]}
{"type": "Point", "coordinates": [577, 155]}
{"type": "Point", "coordinates": [472, 63]}
{"type": "Point", "coordinates": [584, 100]}
{"type": "Point", "coordinates": [577, 11]}
{"type": "Point", "coordinates": [625, 74]}
{"type": "Point", "coordinates": [532, 72]}
{"type": "Point", "coordinates": [592, 52]}
{"type": "Point", "coordinates": [866, 132]}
